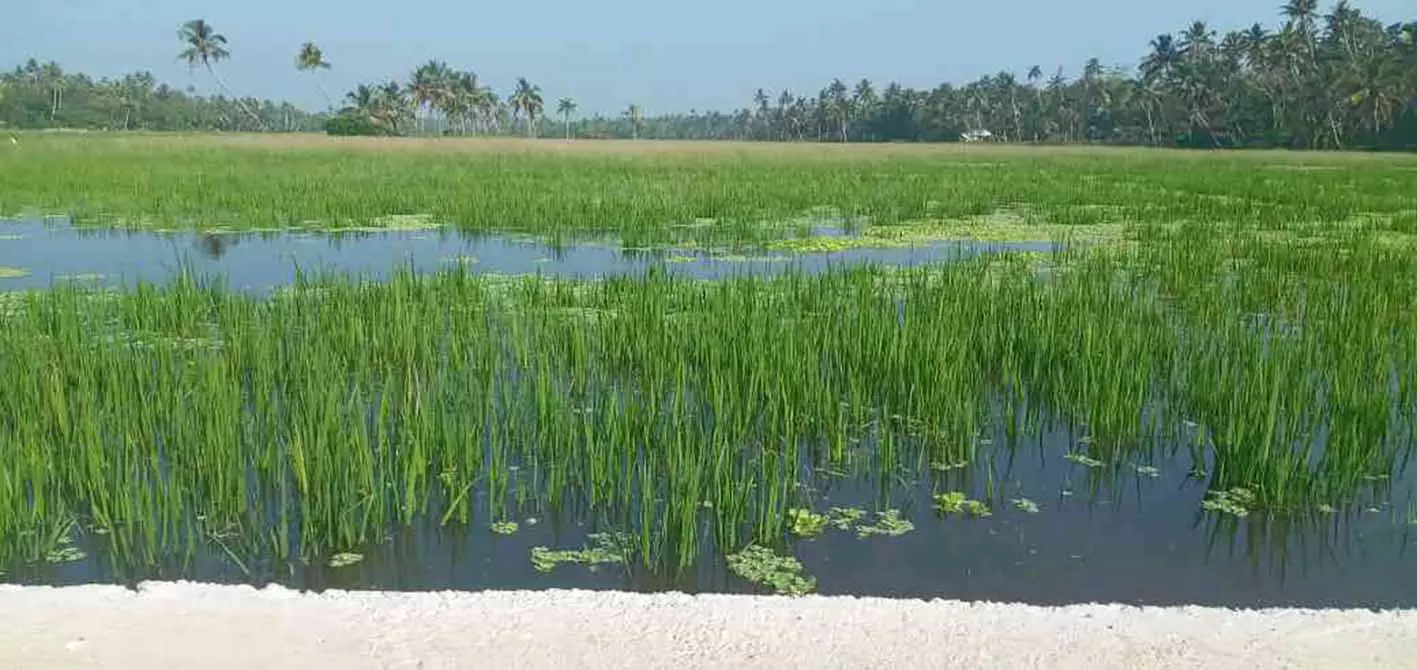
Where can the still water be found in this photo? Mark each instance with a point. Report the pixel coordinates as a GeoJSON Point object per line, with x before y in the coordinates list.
{"type": "Point", "coordinates": [1119, 534]}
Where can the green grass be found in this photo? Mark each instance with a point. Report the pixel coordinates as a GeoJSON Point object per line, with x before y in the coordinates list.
{"type": "Point", "coordinates": [334, 411]}
{"type": "Point", "coordinates": [1263, 318]}
{"type": "Point", "coordinates": [694, 194]}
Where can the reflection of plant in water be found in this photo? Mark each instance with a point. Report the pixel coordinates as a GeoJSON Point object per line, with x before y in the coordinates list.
{"type": "Point", "coordinates": [782, 574]}
{"type": "Point", "coordinates": [605, 548]}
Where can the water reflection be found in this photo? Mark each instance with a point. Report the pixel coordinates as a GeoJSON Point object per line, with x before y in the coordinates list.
{"type": "Point", "coordinates": [215, 246]}
{"type": "Point", "coordinates": [261, 261]}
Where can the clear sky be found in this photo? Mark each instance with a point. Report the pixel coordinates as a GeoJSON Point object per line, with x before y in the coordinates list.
{"type": "Point", "coordinates": [663, 56]}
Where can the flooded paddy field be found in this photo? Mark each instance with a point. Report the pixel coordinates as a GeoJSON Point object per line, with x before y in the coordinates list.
{"type": "Point", "coordinates": [1046, 378]}
{"type": "Point", "coordinates": [40, 253]}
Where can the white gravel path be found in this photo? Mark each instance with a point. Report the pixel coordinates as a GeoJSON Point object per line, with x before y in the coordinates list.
{"type": "Point", "coordinates": [186, 625]}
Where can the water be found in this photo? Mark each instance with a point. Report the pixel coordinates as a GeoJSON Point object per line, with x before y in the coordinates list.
{"type": "Point", "coordinates": [1100, 535]}
{"type": "Point", "coordinates": [260, 262]}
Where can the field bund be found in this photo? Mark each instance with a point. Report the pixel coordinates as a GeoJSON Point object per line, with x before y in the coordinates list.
{"type": "Point", "coordinates": [172, 625]}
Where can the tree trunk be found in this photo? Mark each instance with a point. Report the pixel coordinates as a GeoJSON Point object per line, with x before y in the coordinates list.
{"type": "Point", "coordinates": [239, 102]}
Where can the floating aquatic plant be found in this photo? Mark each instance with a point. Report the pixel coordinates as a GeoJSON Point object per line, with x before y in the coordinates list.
{"type": "Point", "coordinates": [955, 502]}
{"type": "Point", "coordinates": [1083, 460]}
{"type": "Point", "coordinates": [344, 559]}
{"type": "Point", "coordinates": [888, 523]}
{"type": "Point", "coordinates": [603, 548]}
{"type": "Point", "coordinates": [1025, 505]}
{"type": "Point", "coordinates": [1236, 501]}
{"type": "Point", "coordinates": [782, 574]}
{"type": "Point", "coordinates": [806, 524]}
{"type": "Point", "coordinates": [843, 518]}
{"type": "Point", "coordinates": [504, 527]}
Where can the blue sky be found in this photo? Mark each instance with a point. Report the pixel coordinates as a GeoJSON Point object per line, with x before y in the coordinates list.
{"type": "Point", "coordinates": [608, 54]}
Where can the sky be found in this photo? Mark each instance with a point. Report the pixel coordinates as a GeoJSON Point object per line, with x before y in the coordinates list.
{"type": "Point", "coordinates": [608, 54]}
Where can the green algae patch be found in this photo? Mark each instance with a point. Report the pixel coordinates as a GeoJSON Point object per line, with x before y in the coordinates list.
{"type": "Point", "coordinates": [955, 502]}
{"type": "Point", "coordinates": [804, 523]}
{"type": "Point", "coordinates": [888, 523]}
{"type": "Point", "coordinates": [82, 277]}
{"type": "Point", "coordinates": [744, 258]}
{"type": "Point", "coordinates": [1235, 502]}
{"type": "Point", "coordinates": [1024, 505]}
{"type": "Point", "coordinates": [1002, 227]}
{"type": "Point", "coordinates": [783, 574]}
{"type": "Point", "coordinates": [344, 559]}
{"type": "Point", "coordinates": [603, 548]}
{"type": "Point", "coordinates": [504, 527]}
{"type": "Point", "coordinates": [843, 518]}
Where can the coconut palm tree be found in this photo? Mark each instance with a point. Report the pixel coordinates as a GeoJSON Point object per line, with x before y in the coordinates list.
{"type": "Point", "coordinates": [566, 107]}
{"type": "Point", "coordinates": [206, 46]}
{"type": "Point", "coordinates": [526, 99]}
{"type": "Point", "coordinates": [635, 115]}
{"type": "Point", "coordinates": [430, 86]}
{"type": "Point", "coordinates": [312, 59]}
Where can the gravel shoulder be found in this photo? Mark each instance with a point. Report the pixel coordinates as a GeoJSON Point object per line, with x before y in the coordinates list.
{"type": "Point", "coordinates": [188, 625]}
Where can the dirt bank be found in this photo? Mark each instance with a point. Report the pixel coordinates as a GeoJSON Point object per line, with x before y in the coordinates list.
{"type": "Point", "coordinates": [184, 625]}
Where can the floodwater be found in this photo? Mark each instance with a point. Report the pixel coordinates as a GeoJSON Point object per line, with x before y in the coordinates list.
{"type": "Point", "coordinates": [1112, 534]}
{"type": "Point", "coordinates": [1099, 535]}
{"type": "Point", "coordinates": [50, 251]}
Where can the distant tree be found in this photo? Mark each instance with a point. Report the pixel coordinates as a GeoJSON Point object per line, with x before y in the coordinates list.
{"type": "Point", "coordinates": [206, 46]}
{"type": "Point", "coordinates": [635, 116]}
{"type": "Point", "coordinates": [312, 59]}
{"type": "Point", "coordinates": [430, 88]}
{"type": "Point", "coordinates": [526, 99]}
{"type": "Point", "coordinates": [566, 107]}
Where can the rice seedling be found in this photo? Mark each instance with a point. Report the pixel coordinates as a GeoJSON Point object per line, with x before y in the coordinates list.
{"type": "Point", "coordinates": [1274, 340]}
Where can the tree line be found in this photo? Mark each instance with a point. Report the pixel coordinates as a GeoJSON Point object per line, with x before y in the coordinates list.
{"type": "Point", "coordinates": [1335, 79]}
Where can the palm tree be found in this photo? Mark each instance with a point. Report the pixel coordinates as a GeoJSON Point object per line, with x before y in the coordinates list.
{"type": "Point", "coordinates": [527, 99]}
{"type": "Point", "coordinates": [53, 77]}
{"type": "Point", "coordinates": [430, 87]}
{"type": "Point", "coordinates": [566, 107]}
{"type": "Point", "coordinates": [312, 59]}
{"type": "Point", "coordinates": [1162, 59]}
{"type": "Point", "coordinates": [385, 105]}
{"type": "Point", "coordinates": [206, 46]}
{"type": "Point", "coordinates": [635, 115]}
